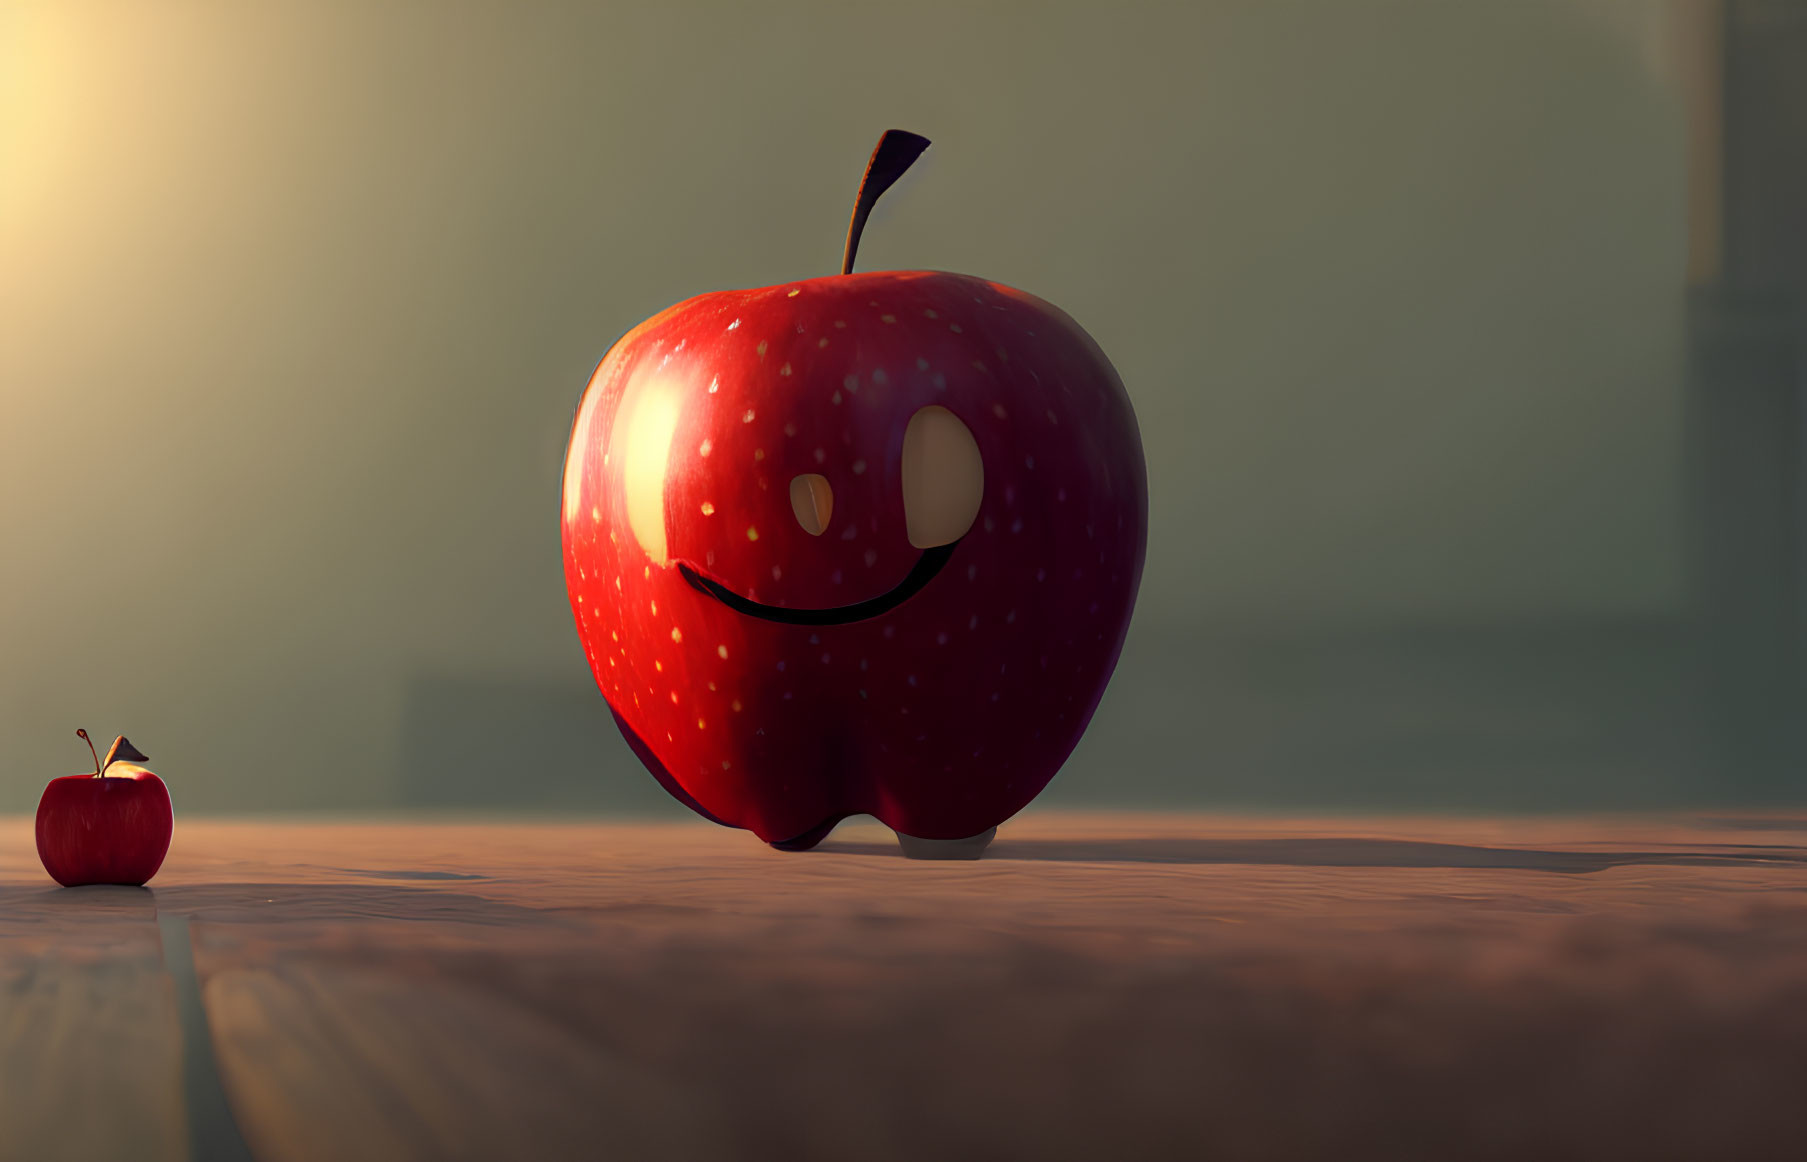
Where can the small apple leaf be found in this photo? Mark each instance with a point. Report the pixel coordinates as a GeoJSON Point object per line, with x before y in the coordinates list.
{"type": "Point", "coordinates": [122, 751]}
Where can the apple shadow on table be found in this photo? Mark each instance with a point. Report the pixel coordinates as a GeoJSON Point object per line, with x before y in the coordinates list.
{"type": "Point", "coordinates": [1344, 852]}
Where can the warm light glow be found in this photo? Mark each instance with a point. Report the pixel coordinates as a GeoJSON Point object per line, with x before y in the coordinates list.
{"type": "Point", "coordinates": [644, 426]}
{"type": "Point", "coordinates": [74, 118]}
{"type": "Point", "coordinates": [27, 128]}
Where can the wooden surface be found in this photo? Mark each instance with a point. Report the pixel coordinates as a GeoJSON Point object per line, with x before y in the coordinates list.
{"type": "Point", "coordinates": [1098, 987]}
{"type": "Point", "coordinates": [90, 1047]}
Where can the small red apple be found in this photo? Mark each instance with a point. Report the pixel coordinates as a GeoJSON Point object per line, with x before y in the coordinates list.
{"type": "Point", "coordinates": [862, 544]}
{"type": "Point", "coordinates": [108, 827]}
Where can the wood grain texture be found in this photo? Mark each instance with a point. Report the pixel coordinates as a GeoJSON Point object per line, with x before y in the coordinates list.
{"type": "Point", "coordinates": [354, 1064]}
{"type": "Point", "coordinates": [1098, 986]}
{"type": "Point", "coordinates": [90, 1047]}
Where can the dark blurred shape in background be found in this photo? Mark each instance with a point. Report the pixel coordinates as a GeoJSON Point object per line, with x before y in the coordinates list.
{"type": "Point", "coordinates": [1467, 343]}
{"type": "Point", "coordinates": [1746, 83]}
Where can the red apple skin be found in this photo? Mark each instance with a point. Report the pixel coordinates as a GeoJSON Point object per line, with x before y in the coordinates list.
{"type": "Point", "coordinates": [114, 830]}
{"type": "Point", "coordinates": [942, 717]}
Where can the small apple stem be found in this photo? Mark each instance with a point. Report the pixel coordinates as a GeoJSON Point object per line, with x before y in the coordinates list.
{"type": "Point", "coordinates": [91, 750]}
{"type": "Point", "coordinates": [897, 150]}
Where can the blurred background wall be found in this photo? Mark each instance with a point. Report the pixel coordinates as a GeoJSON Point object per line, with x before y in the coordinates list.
{"type": "Point", "coordinates": [296, 300]}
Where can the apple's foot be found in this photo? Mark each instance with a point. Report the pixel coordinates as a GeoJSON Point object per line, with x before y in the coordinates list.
{"type": "Point", "coordinates": [972, 847]}
{"type": "Point", "coordinates": [809, 838]}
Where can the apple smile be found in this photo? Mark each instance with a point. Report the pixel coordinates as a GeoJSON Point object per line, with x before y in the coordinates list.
{"type": "Point", "coordinates": [930, 563]}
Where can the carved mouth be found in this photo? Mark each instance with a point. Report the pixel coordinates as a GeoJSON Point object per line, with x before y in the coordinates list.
{"type": "Point", "coordinates": [927, 565]}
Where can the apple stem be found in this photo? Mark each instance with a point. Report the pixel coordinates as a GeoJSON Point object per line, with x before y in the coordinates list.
{"type": "Point", "coordinates": [91, 750]}
{"type": "Point", "coordinates": [897, 150]}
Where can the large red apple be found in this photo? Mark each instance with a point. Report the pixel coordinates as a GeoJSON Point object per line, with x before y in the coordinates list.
{"type": "Point", "coordinates": [110, 827]}
{"type": "Point", "coordinates": [866, 543]}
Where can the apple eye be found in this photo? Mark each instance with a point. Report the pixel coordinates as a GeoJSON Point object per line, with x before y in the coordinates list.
{"type": "Point", "coordinates": [943, 478]}
{"type": "Point", "coordinates": [813, 502]}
